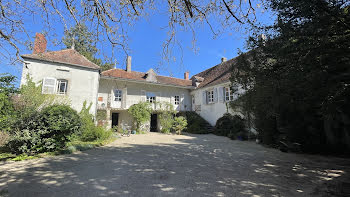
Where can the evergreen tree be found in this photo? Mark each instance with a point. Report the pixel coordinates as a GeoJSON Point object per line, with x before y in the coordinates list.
{"type": "Point", "coordinates": [300, 75]}
{"type": "Point", "coordinates": [85, 43]}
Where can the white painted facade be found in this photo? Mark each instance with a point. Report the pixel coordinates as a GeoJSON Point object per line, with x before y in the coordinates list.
{"type": "Point", "coordinates": [211, 111]}
{"type": "Point", "coordinates": [82, 83]}
{"type": "Point", "coordinates": [133, 92]}
{"type": "Point", "coordinates": [116, 95]}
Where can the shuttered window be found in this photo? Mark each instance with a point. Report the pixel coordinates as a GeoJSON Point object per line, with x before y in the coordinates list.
{"type": "Point", "coordinates": [210, 96]}
{"type": "Point", "coordinates": [49, 85]}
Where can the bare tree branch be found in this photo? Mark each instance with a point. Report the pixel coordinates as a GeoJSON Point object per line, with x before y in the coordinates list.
{"type": "Point", "coordinates": [230, 11]}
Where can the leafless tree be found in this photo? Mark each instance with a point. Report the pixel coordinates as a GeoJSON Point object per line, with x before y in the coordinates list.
{"type": "Point", "coordinates": [110, 19]}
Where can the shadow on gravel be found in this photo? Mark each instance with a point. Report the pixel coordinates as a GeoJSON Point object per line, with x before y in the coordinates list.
{"type": "Point", "coordinates": [197, 166]}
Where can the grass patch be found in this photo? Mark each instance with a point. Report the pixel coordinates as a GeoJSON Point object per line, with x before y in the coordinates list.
{"type": "Point", "coordinates": [6, 156]}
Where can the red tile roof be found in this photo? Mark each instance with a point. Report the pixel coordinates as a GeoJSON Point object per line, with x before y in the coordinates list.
{"type": "Point", "coordinates": [66, 56]}
{"type": "Point", "coordinates": [217, 74]}
{"type": "Point", "coordinates": [140, 76]}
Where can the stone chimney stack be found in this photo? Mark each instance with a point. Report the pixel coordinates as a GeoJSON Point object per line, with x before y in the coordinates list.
{"type": "Point", "coordinates": [128, 64]}
{"type": "Point", "coordinates": [187, 75]}
{"type": "Point", "coordinates": [39, 43]}
{"type": "Point", "coordinates": [223, 59]}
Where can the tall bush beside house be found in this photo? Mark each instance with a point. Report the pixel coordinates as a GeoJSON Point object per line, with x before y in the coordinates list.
{"type": "Point", "coordinates": [61, 121]}
{"type": "Point", "coordinates": [231, 126]}
{"type": "Point", "coordinates": [180, 123]}
{"type": "Point", "coordinates": [89, 131]}
{"type": "Point", "coordinates": [197, 125]}
{"type": "Point", "coordinates": [166, 117]}
{"type": "Point", "coordinates": [45, 131]}
{"type": "Point", "coordinates": [141, 113]}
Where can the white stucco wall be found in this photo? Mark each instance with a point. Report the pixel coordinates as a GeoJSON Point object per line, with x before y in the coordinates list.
{"type": "Point", "coordinates": [211, 112]}
{"type": "Point", "coordinates": [133, 92]}
{"type": "Point", "coordinates": [82, 82]}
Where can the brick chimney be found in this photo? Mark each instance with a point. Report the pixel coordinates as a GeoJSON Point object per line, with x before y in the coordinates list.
{"type": "Point", "coordinates": [187, 75]}
{"type": "Point", "coordinates": [128, 64]}
{"type": "Point", "coordinates": [39, 43]}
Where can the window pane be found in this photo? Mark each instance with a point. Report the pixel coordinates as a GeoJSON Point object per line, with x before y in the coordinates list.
{"type": "Point", "coordinates": [117, 95]}
{"type": "Point", "coordinates": [177, 100]}
{"type": "Point", "coordinates": [62, 86]}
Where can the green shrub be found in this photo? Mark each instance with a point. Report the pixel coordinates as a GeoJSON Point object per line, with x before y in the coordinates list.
{"type": "Point", "coordinates": [95, 133]}
{"type": "Point", "coordinates": [141, 113]}
{"type": "Point", "coordinates": [180, 123]}
{"type": "Point", "coordinates": [166, 117]}
{"type": "Point", "coordinates": [89, 131]}
{"type": "Point", "coordinates": [231, 126]}
{"type": "Point", "coordinates": [46, 131]}
{"type": "Point", "coordinates": [31, 142]}
{"type": "Point", "coordinates": [61, 121]}
{"type": "Point", "coordinates": [197, 125]}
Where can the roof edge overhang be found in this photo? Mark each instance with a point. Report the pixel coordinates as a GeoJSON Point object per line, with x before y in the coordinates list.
{"type": "Point", "coordinates": [58, 62]}
{"type": "Point", "coordinates": [210, 85]}
{"type": "Point", "coordinates": [147, 82]}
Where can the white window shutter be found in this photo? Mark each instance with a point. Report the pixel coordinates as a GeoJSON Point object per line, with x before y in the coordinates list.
{"type": "Point", "coordinates": [143, 95]}
{"type": "Point", "coordinates": [222, 94]}
{"type": "Point", "coordinates": [182, 102]}
{"type": "Point", "coordinates": [49, 86]}
{"type": "Point", "coordinates": [124, 93]}
{"type": "Point", "coordinates": [204, 97]}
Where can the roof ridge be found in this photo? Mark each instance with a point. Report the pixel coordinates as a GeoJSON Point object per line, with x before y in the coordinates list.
{"type": "Point", "coordinates": [173, 77]}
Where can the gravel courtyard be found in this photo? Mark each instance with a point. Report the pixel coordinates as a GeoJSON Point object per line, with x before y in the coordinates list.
{"type": "Point", "coordinates": [170, 165]}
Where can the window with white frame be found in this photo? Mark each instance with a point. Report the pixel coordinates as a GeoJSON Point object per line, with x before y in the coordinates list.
{"type": "Point", "coordinates": [210, 96]}
{"type": "Point", "coordinates": [151, 97]}
{"type": "Point", "coordinates": [177, 100]}
{"type": "Point", "coordinates": [117, 95]}
{"type": "Point", "coordinates": [228, 94]}
{"type": "Point", "coordinates": [62, 86]}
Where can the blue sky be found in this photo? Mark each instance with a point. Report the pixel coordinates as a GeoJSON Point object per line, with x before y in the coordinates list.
{"type": "Point", "coordinates": [146, 39]}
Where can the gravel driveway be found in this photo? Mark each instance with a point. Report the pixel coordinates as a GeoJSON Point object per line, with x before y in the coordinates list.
{"type": "Point", "coordinates": [170, 165]}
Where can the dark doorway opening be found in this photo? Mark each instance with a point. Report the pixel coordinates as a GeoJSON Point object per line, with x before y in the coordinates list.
{"type": "Point", "coordinates": [154, 124]}
{"type": "Point", "coordinates": [115, 118]}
